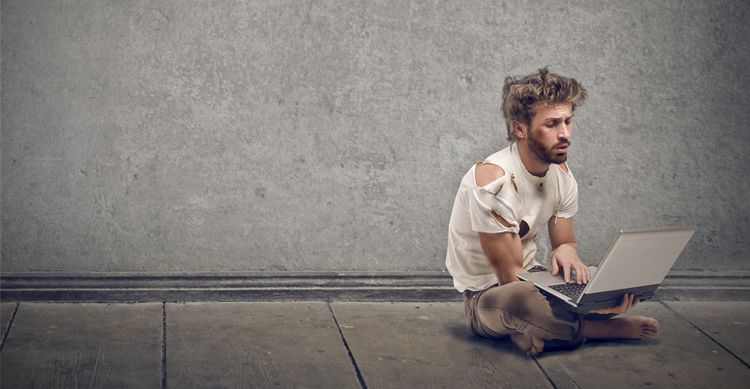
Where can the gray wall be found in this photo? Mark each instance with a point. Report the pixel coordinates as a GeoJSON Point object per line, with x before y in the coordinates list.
{"type": "Point", "coordinates": [289, 135]}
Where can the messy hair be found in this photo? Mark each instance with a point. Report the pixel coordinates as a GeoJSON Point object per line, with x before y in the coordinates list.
{"type": "Point", "coordinates": [521, 94]}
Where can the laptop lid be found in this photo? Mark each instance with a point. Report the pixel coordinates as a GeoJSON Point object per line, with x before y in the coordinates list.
{"type": "Point", "coordinates": [639, 257]}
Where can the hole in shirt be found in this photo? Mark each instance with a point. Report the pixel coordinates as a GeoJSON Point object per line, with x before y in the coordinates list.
{"type": "Point", "coordinates": [500, 219]}
{"type": "Point", "coordinates": [523, 228]}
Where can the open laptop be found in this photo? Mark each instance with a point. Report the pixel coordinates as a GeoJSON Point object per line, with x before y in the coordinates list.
{"type": "Point", "coordinates": [636, 263]}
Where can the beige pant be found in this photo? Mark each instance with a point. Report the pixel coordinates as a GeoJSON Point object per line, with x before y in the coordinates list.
{"type": "Point", "coordinates": [519, 307]}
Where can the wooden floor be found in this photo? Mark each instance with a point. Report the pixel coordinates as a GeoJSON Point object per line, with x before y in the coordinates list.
{"type": "Point", "coordinates": [349, 345]}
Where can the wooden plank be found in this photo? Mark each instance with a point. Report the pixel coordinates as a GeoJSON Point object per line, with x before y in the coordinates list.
{"type": "Point", "coordinates": [235, 345]}
{"type": "Point", "coordinates": [405, 345]}
{"type": "Point", "coordinates": [727, 322]}
{"type": "Point", "coordinates": [6, 312]}
{"type": "Point", "coordinates": [84, 345]}
{"type": "Point", "coordinates": [681, 356]}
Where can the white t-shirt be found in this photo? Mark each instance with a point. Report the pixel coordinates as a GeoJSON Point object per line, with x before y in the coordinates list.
{"type": "Point", "coordinates": [555, 194]}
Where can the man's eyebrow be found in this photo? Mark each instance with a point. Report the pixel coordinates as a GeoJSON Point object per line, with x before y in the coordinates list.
{"type": "Point", "coordinates": [557, 119]}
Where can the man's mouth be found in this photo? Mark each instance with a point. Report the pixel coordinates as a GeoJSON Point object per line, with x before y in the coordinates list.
{"type": "Point", "coordinates": [562, 148]}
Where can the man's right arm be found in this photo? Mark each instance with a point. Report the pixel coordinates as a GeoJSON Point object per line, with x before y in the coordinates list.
{"type": "Point", "coordinates": [503, 250]}
{"type": "Point", "coordinates": [505, 254]}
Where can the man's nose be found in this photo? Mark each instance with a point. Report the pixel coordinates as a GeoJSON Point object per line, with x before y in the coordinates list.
{"type": "Point", "coordinates": [564, 132]}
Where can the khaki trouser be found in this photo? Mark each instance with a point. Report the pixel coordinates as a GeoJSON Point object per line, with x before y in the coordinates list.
{"type": "Point", "coordinates": [519, 307]}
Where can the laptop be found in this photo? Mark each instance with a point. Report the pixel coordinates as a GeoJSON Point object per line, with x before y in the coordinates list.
{"type": "Point", "coordinates": [636, 263]}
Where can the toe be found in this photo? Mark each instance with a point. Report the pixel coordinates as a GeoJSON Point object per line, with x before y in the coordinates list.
{"type": "Point", "coordinates": [537, 345]}
{"type": "Point", "coordinates": [529, 345]}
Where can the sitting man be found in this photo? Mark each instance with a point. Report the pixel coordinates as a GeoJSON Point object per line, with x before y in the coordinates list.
{"type": "Point", "coordinates": [502, 204]}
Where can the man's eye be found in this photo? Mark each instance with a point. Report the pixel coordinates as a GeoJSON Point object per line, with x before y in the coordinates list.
{"type": "Point", "coordinates": [550, 125]}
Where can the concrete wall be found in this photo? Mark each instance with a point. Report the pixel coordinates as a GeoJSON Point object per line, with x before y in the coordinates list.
{"type": "Point", "coordinates": [290, 135]}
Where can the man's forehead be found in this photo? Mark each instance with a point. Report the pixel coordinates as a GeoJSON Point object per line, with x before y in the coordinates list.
{"type": "Point", "coordinates": [553, 111]}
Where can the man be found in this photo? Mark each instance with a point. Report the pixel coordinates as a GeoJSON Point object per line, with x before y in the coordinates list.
{"type": "Point", "coordinates": [502, 204]}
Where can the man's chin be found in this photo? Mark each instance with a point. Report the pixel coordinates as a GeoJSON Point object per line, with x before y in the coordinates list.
{"type": "Point", "coordinates": [559, 158]}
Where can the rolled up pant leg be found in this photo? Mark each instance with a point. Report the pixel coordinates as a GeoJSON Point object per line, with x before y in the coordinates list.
{"type": "Point", "coordinates": [519, 307]}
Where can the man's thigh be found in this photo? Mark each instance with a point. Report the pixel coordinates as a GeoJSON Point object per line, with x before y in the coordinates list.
{"type": "Point", "coordinates": [492, 312]}
{"type": "Point", "coordinates": [519, 307]}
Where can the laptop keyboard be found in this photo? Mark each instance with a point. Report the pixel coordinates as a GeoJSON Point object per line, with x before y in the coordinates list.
{"type": "Point", "coordinates": [571, 290]}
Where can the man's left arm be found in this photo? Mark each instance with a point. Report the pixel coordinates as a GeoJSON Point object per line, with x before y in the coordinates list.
{"type": "Point", "coordinates": [565, 250]}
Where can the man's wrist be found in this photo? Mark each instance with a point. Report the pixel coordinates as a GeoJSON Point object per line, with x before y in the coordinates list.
{"type": "Point", "coordinates": [506, 276]}
{"type": "Point", "coordinates": [572, 245]}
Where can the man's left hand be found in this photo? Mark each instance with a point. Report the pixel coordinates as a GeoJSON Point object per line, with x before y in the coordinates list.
{"type": "Point", "coordinates": [566, 258]}
{"type": "Point", "coordinates": [629, 301]}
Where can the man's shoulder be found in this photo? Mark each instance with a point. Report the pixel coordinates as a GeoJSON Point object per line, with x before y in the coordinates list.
{"type": "Point", "coordinates": [493, 167]}
{"type": "Point", "coordinates": [566, 182]}
{"type": "Point", "coordinates": [500, 157]}
{"type": "Point", "coordinates": [486, 173]}
{"type": "Point", "coordinates": [564, 172]}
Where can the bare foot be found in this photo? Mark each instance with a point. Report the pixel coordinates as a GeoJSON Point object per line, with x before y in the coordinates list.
{"type": "Point", "coordinates": [528, 344]}
{"type": "Point", "coordinates": [628, 327]}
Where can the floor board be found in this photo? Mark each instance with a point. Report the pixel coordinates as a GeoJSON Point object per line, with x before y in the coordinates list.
{"type": "Point", "coordinates": [427, 345]}
{"type": "Point", "coordinates": [681, 356]}
{"type": "Point", "coordinates": [53, 345]}
{"type": "Point", "coordinates": [727, 322]}
{"type": "Point", "coordinates": [6, 313]}
{"type": "Point", "coordinates": [235, 345]}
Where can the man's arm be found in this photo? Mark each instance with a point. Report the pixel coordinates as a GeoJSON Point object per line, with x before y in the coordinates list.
{"type": "Point", "coordinates": [503, 250]}
{"type": "Point", "coordinates": [505, 254]}
{"type": "Point", "coordinates": [565, 250]}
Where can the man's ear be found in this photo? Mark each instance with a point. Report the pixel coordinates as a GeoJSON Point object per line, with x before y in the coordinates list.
{"type": "Point", "coordinates": [519, 130]}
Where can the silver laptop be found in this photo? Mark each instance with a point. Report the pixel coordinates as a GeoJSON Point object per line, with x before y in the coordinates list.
{"type": "Point", "coordinates": [636, 263]}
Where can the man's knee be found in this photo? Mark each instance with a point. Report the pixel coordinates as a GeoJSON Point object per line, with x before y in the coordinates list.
{"type": "Point", "coordinates": [517, 298]}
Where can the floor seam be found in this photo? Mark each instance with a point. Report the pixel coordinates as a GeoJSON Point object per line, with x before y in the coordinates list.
{"type": "Point", "coordinates": [348, 350]}
{"type": "Point", "coordinates": [164, 345]}
{"type": "Point", "coordinates": [10, 324]}
{"type": "Point", "coordinates": [539, 365]}
{"type": "Point", "coordinates": [706, 334]}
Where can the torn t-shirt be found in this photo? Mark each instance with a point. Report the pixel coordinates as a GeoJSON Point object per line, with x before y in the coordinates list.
{"type": "Point", "coordinates": [525, 201]}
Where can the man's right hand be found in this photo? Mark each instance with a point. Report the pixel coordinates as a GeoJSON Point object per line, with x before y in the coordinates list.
{"type": "Point", "coordinates": [628, 301]}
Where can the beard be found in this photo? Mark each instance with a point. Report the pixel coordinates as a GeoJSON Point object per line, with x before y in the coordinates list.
{"type": "Point", "coordinates": [547, 155]}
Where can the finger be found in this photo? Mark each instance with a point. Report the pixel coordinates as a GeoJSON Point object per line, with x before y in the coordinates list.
{"type": "Point", "coordinates": [624, 304]}
{"type": "Point", "coordinates": [588, 274]}
{"type": "Point", "coordinates": [555, 268]}
{"type": "Point", "coordinates": [630, 301]}
{"type": "Point", "coordinates": [578, 274]}
{"type": "Point", "coordinates": [635, 302]}
{"type": "Point", "coordinates": [566, 273]}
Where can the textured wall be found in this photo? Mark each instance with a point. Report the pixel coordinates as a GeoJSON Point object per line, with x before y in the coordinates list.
{"type": "Point", "coordinates": [289, 135]}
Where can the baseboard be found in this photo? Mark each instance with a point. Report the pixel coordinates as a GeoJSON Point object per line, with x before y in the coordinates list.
{"type": "Point", "coordinates": [281, 286]}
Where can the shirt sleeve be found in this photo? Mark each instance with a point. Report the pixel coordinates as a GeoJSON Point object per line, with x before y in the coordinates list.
{"type": "Point", "coordinates": [568, 197]}
{"type": "Point", "coordinates": [500, 197]}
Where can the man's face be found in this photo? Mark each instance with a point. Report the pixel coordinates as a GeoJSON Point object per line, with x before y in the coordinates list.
{"type": "Point", "coordinates": [551, 132]}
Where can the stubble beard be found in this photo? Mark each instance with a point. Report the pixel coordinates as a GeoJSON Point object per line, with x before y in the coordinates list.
{"type": "Point", "coordinates": [545, 155]}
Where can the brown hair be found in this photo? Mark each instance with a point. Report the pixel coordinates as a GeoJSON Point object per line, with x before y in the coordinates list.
{"type": "Point", "coordinates": [520, 95]}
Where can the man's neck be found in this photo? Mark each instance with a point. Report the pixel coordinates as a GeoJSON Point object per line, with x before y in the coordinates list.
{"type": "Point", "coordinates": [530, 162]}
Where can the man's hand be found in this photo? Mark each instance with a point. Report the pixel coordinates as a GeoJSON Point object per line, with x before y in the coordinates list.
{"type": "Point", "coordinates": [628, 301]}
{"type": "Point", "coordinates": [566, 258]}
